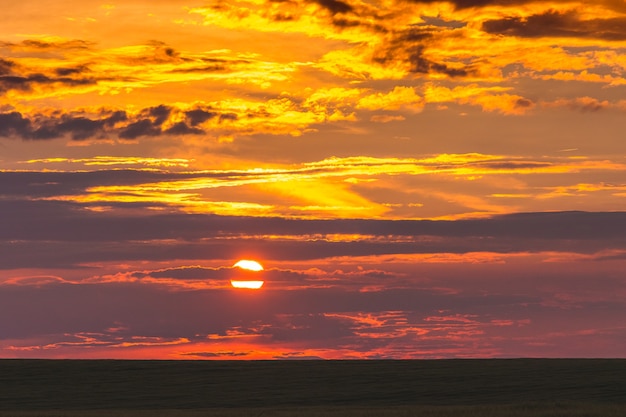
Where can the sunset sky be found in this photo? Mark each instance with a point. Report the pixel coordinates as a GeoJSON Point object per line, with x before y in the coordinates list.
{"type": "Point", "coordinates": [419, 179]}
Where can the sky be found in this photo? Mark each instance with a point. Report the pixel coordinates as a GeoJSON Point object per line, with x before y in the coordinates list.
{"type": "Point", "coordinates": [419, 179]}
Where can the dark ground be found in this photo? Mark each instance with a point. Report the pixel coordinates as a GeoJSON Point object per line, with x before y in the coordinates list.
{"type": "Point", "coordinates": [194, 385]}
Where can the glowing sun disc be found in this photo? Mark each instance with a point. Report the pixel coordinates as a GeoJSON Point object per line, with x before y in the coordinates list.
{"type": "Point", "coordinates": [249, 265]}
{"type": "Point", "coordinates": [252, 285]}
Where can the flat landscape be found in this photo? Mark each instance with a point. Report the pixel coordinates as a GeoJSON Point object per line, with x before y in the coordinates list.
{"type": "Point", "coordinates": [439, 388]}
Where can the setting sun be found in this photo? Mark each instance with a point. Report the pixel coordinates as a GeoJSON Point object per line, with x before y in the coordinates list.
{"type": "Point", "coordinates": [249, 265]}
{"type": "Point", "coordinates": [246, 267]}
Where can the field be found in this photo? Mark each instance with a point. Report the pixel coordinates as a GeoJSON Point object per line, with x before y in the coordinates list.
{"type": "Point", "coordinates": [446, 388]}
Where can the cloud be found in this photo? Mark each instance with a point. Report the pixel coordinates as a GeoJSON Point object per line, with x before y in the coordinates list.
{"type": "Point", "coordinates": [553, 23]}
{"type": "Point", "coordinates": [409, 40]}
{"type": "Point", "coordinates": [78, 127]}
{"type": "Point", "coordinates": [217, 354]}
{"type": "Point", "coordinates": [103, 125]}
{"type": "Point", "coordinates": [223, 118]}
{"type": "Point", "coordinates": [398, 39]}
{"type": "Point", "coordinates": [464, 4]}
{"type": "Point", "coordinates": [28, 82]}
{"type": "Point", "coordinates": [420, 64]}
{"type": "Point", "coordinates": [186, 272]}
{"type": "Point", "coordinates": [333, 187]}
{"type": "Point", "coordinates": [36, 68]}
{"type": "Point", "coordinates": [14, 123]}
{"type": "Point", "coordinates": [582, 104]}
{"type": "Point", "coordinates": [78, 320]}
{"type": "Point", "coordinates": [557, 225]}
{"type": "Point", "coordinates": [334, 6]}
{"type": "Point", "coordinates": [489, 98]}
{"type": "Point", "coordinates": [48, 44]}
{"type": "Point", "coordinates": [399, 98]}
{"type": "Point", "coordinates": [17, 77]}
{"type": "Point", "coordinates": [410, 47]}
{"type": "Point", "coordinates": [143, 127]}
{"type": "Point", "coordinates": [198, 116]}
{"type": "Point", "coordinates": [6, 67]}
{"type": "Point", "coordinates": [128, 232]}
{"type": "Point", "coordinates": [386, 118]}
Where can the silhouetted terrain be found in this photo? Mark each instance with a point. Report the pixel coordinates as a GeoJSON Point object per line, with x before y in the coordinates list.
{"type": "Point", "coordinates": [339, 385]}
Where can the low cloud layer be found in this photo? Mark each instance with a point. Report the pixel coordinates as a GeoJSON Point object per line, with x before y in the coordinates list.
{"type": "Point", "coordinates": [140, 321]}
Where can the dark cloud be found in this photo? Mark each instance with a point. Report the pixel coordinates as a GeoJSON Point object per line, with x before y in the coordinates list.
{"type": "Point", "coordinates": [345, 23]}
{"type": "Point", "coordinates": [148, 122]}
{"type": "Point", "coordinates": [204, 68]}
{"type": "Point", "coordinates": [283, 17]}
{"type": "Point", "coordinates": [69, 44]}
{"type": "Point", "coordinates": [523, 103]}
{"type": "Point", "coordinates": [205, 64]}
{"type": "Point", "coordinates": [181, 128]}
{"type": "Point", "coordinates": [219, 354]}
{"type": "Point", "coordinates": [436, 21]}
{"type": "Point", "coordinates": [298, 356]}
{"type": "Point", "coordinates": [96, 245]}
{"type": "Point", "coordinates": [159, 113]}
{"type": "Point", "coordinates": [71, 71]}
{"type": "Point", "coordinates": [198, 116]}
{"type": "Point", "coordinates": [26, 83]}
{"type": "Point", "coordinates": [410, 45]}
{"type": "Point", "coordinates": [14, 124]}
{"type": "Point", "coordinates": [335, 6]}
{"type": "Point", "coordinates": [81, 127]}
{"type": "Point", "coordinates": [465, 4]}
{"type": "Point", "coordinates": [420, 64]}
{"type": "Point", "coordinates": [115, 117]}
{"type": "Point", "coordinates": [66, 234]}
{"type": "Point", "coordinates": [6, 67]}
{"type": "Point", "coordinates": [558, 24]}
{"type": "Point", "coordinates": [20, 185]}
{"type": "Point", "coordinates": [15, 77]}
{"type": "Point", "coordinates": [228, 116]}
{"type": "Point", "coordinates": [187, 272]}
{"type": "Point", "coordinates": [50, 127]}
{"type": "Point", "coordinates": [155, 117]}
{"type": "Point", "coordinates": [576, 225]}
{"type": "Point", "coordinates": [144, 127]}
{"type": "Point", "coordinates": [130, 232]}
{"type": "Point", "coordinates": [157, 52]}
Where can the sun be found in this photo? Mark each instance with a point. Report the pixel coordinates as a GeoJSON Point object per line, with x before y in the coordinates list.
{"type": "Point", "coordinates": [247, 268]}
{"type": "Point", "coordinates": [249, 265]}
